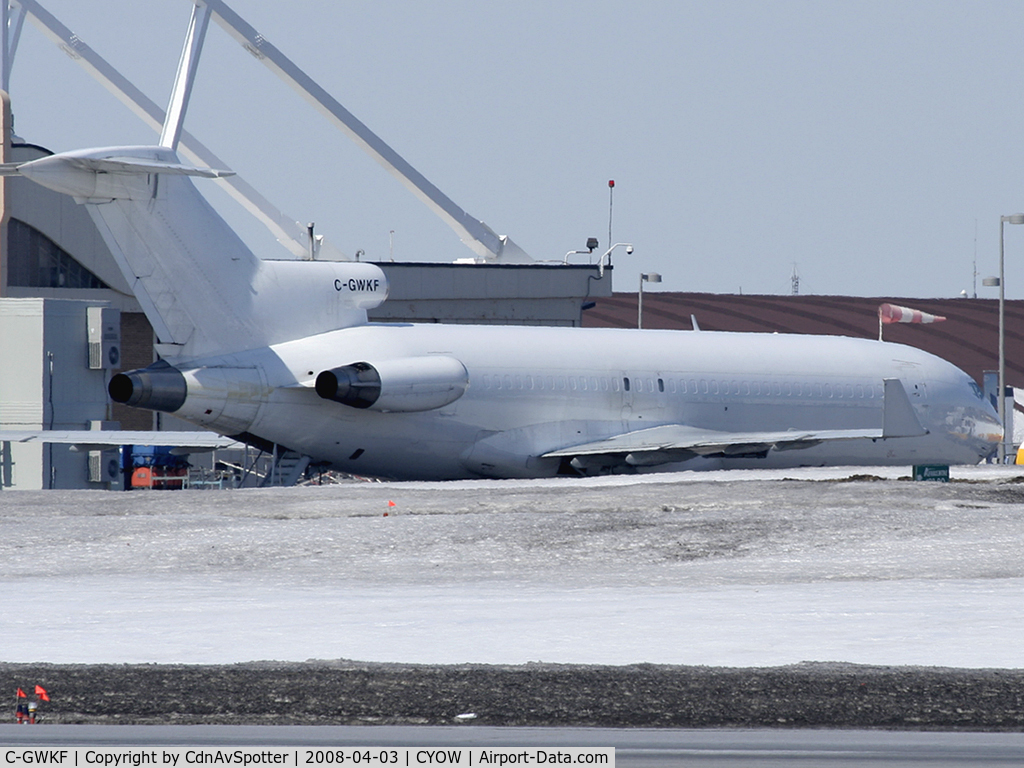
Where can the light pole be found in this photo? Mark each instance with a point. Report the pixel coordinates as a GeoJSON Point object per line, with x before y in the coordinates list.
{"type": "Point", "coordinates": [1016, 218]}
{"type": "Point", "coordinates": [645, 277]}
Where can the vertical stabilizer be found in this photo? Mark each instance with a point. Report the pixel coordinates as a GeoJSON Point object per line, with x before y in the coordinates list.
{"type": "Point", "coordinates": [201, 287]}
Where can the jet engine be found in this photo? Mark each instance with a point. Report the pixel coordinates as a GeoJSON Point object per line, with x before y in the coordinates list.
{"type": "Point", "coordinates": [223, 398]}
{"type": "Point", "coordinates": [160, 387]}
{"type": "Point", "coordinates": [404, 385]}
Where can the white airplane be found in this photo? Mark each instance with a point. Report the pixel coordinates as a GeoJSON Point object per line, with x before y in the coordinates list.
{"type": "Point", "coordinates": [280, 352]}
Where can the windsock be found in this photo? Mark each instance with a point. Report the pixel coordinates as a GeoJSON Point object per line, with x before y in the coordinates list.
{"type": "Point", "coordinates": [892, 313]}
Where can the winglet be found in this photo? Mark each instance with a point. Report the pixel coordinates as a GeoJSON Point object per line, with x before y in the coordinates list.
{"type": "Point", "coordinates": [898, 417]}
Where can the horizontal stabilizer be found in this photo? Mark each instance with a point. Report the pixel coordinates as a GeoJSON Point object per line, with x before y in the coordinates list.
{"type": "Point", "coordinates": [109, 165]}
{"type": "Point", "coordinates": [134, 165]}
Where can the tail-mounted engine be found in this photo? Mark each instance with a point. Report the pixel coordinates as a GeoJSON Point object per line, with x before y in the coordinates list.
{"type": "Point", "coordinates": [160, 387]}
{"type": "Point", "coordinates": [225, 399]}
{"type": "Point", "coordinates": [403, 385]}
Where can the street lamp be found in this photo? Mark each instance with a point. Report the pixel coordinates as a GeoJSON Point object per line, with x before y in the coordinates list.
{"type": "Point", "coordinates": [645, 277]}
{"type": "Point", "coordinates": [1016, 218]}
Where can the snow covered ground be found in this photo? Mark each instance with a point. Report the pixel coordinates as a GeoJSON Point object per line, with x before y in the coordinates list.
{"type": "Point", "coordinates": [728, 568]}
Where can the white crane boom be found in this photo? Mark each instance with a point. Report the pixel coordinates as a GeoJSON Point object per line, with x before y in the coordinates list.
{"type": "Point", "coordinates": [289, 232]}
{"type": "Point", "coordinates": [480, 238]}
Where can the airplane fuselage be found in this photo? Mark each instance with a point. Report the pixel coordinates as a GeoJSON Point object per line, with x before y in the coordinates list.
{"type": "Point", "coordinates": [530, 391]}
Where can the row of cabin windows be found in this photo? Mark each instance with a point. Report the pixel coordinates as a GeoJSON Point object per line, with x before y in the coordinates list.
{"type": "Point", "coordinates": [712, 387]}
{"type": "Point", "coordinates": [551, 383]}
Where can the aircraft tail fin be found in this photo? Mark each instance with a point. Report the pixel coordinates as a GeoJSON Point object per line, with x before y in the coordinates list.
{"type": "Point", "coordinates": [201, 287]}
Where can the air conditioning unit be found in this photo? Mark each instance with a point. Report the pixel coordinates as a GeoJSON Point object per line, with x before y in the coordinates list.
{"type": "Point", "coordinates": [104, 338]}
{"type": "Point", "coordinates": [104, 466]}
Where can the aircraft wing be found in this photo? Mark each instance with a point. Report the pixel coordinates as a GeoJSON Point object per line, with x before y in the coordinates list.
{"type": "Point", "coordinates": [99, 439]}
{"type": "Point", "coordinates": [677, 442]}
{"type": "Point", "coordinates": [683, 439]}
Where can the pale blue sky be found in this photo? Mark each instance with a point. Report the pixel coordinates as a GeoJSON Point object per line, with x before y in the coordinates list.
{"type": "Point", "coordinates": [866, 142]}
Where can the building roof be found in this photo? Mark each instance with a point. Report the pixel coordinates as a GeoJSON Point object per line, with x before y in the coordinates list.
{"type": "Point", "coordinates": [969, 338]}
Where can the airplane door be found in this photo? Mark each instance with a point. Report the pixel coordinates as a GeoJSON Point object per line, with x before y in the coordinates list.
{"type": "Point", "coordinates": [627, 387]}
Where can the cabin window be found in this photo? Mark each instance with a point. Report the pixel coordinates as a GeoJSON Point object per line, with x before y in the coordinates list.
{"type": "Point", "coordinates": [573, 383]}
{"type": "Point", "coordinates": [625, 383]}
{"type": "Point", "coordinates": [704, 386]}
{"type": "Point", "coordinates": [604, 384]}
{"type": "Point", "coordinates": [639, 384]}
{"type": "Point", "coordinates": [508, 381]}
{"type": "Point", "coordinates": [860, 391]}
{"type": "Point", "coordinates": [672, 386]}
{"type": "Point", "coordinates": [746, 387]}
{"type": "Point", "coordinates": [486, 380]}
{"type": "Point", "coordinates": [788, 389]}
{"type": "Point", "coordinates": [715, 389]}
{"type": "Point", "coordinates": [583, 383]}
{"type": "Point", "coordinates": [849, 390]}
{"type": "Point", "coordinates": [593, 383]}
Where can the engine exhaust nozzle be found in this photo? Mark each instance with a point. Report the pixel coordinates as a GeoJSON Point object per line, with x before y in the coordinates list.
{"type": "Point", "coordinates": [158, 387]}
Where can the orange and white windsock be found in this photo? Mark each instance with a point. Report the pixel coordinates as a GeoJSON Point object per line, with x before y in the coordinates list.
{"type": "Point", "coordinates": [892, 313]}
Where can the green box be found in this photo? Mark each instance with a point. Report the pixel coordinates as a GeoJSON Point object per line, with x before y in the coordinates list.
{"type": "Point", "coordinates": [938, 473]}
